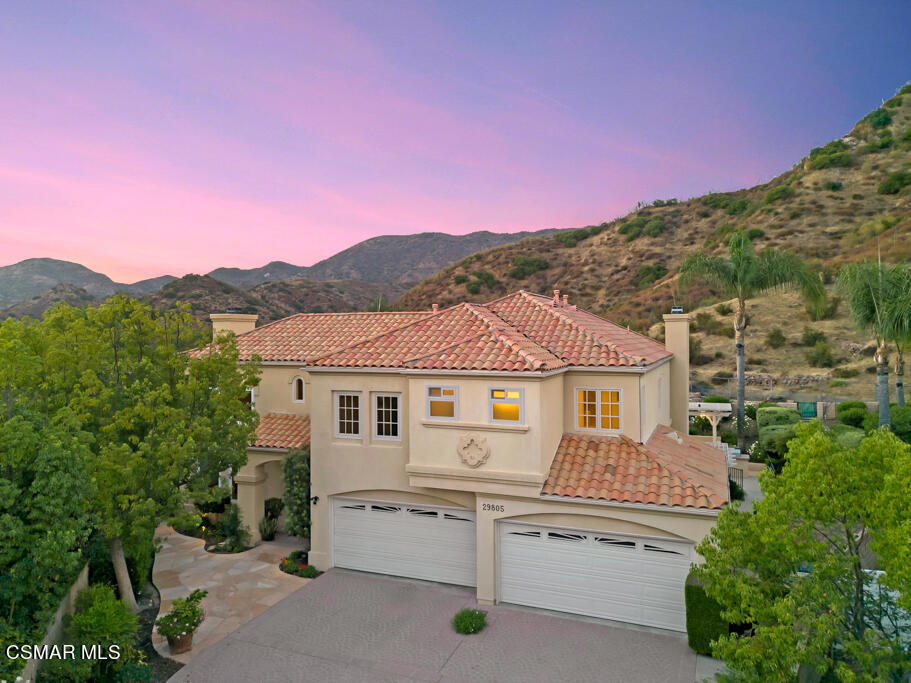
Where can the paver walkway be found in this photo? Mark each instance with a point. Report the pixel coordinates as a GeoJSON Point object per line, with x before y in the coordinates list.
{"type": "Point", "coordinates": [351, 626]}
{"type": "Point", "coordinates": [240, 585]}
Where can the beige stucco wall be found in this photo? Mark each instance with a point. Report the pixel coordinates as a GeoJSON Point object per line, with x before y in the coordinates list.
{"type": "Point", "coordinates": [618, 519]}
{"type": "Point", "coordinates": [273, 394]}
{"type": "Point", "coordinates": [656, 404]}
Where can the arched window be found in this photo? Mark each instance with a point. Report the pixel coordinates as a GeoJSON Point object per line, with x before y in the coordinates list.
{"type": "Point", "coordinates": [297, 390]}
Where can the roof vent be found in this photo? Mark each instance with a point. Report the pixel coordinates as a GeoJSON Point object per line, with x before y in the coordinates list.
{"type": "Point", "coordinates": [435, 307]}
{"type": "Point", "coordinates": [556, 297]}
{"type": "Point", "coordinates": [566, 299]}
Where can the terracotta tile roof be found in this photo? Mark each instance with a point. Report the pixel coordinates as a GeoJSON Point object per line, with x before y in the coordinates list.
{"type": "Point", "coordinates": [305, 336]}
{"type": "Point", "coordinates": [463, 337]}
{"type": "Point", "coordinates": [576, 336]}
{"type": "Point", "coordinates": [282, 430]}
{"type": "Point", "coordinates": [668, 469]}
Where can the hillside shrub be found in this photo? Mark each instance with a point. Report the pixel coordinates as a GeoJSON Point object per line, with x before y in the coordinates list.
{"type": "Point", "coordinates": [878, 118]}
{"type": "Point", "coordinates": [894, 183]}
{"type": "Point", "coordinates": [723, 309]}
{"type": "Point", "coordinates": [648, 274]}
{"type": "Point", "coordinates": [296, 475]}
{"type": "Point", "coordinates": [893, 102]}
{"type": "Point", "coordinates": [703, 618]}
{"type": "Point", "coordinates": [468, 621]}
{"type": "Point", "coordinates": [775, 339]}
{"type": "Point", "coordinates": [460, 278]}
{"type": "Point", "coordinates": [884, 141]}
{"type": "Point", "coordinates": [739, 206]}
{"type": "Point", "coordinates": [717, 200]}
{"type": "Point", "coordinates": [655, 226]}
{"type": "Point", "coordinates": [486, 277]}
{"type": "Point", "coordinates": [706, 322]}
{"type": "Point", "coordinates": [523, 266]}
{"type": "Point", "coordinates": [820, 356]}
{"type": "Point", "coordinates": [665, 202]}
{"type": "Point", "coordinates": [572, 237]}
{"type": "Point", "coordinates": [727, 331]}
{"type": "Point", "coordinates": [833, 186]}
{"type": "Point", "coordinates": [774, 416]}
{"type": "Point", "coordinates": [633, 227]}
{"type": "Point", "coordinates": [845, 373]}
{"type": "Point", "coordinates": [473, 287]}
{"type": "Point", "coordinates": [597, 229]}
{"type": "Point", "coordinates": [811, 337]}
{"type": "Point", "coordinates": [777, 193]}
{"type": "Point", "coordinates": [906, 136]}
{"type": "Point", "coordinates": [833, 154]}
{"type": "Point", "coordinates": [824, 308]}
{"type": "Point", "coordinates": [904, 90]}
{"type": "Point", "coordinates": [755, 233]}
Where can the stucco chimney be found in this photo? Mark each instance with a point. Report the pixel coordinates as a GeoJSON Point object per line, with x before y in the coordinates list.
{"type": "Point", "coordinates": [677, 341]}
{"type": "Point", "coordinates": [238, 323]}
{"type": "Point", "coordinates": [566, 300]}
{"type": "Point", "coordinates": [436, 307]}
{"type": "Point", "coordinates": [556, 297]}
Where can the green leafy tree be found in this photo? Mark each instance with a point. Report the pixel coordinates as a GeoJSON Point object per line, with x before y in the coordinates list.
{"type": "Point", "coordinates": [296, 475]}
{"type": "Point", "coordinates": [742, 275]}
{"type": "Point", "coordinates": [878, 297]}
{"type": "Point", "coordinates": [795, 568]}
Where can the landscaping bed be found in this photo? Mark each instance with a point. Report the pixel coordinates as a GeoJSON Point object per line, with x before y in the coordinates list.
{"type": "Point", "coordinates": [296, 564]}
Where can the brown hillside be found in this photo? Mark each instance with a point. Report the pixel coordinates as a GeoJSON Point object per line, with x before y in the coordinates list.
{"type": "Point", "coordinates": [37, 305]}
{"type": "Point", "coordinates": [827, 208]}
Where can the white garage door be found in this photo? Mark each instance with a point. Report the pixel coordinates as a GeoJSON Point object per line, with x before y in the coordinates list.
{"type": "Point", "coordinates": [612, 576]}
{"type": "Point", "coordinates": [404, 539]}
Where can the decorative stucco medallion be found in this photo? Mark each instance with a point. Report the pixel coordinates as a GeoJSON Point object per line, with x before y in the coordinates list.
{"type": "Point", "coordinates": [473, 450]}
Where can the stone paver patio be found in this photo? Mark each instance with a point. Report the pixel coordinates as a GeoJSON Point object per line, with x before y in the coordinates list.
{"type": "Point", "coordinates": [240, 585]}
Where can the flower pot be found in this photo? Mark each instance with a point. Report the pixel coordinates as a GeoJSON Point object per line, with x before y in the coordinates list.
{"type": "Point", "coordinates": [180, 644]}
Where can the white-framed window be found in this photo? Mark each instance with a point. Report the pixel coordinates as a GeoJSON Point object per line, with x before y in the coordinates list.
{"type": "Point", "coordinates": [298, 390]}
{"type": "Point", "coordinates": [442, 402]}
{"type": "Point", "coordinates": [387, 417]}
{"type": "Point", "coordinates": [598, 409]}
{"type": "Point", "coordinates": [347, 414]}
{"type": "Point", "coordinates": [506, 405]}
{"type": "Point", "coordinates": [249, 398]}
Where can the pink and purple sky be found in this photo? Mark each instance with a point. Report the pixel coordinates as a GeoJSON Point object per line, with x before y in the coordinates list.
{"type": "Point", "coordinates": [146, 138]}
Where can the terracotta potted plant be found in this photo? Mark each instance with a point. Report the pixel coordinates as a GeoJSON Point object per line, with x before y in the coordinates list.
{"type": "Point", "coordinates": [179, 625]}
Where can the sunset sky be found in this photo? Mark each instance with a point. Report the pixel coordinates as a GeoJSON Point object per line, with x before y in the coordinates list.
{"type": "Point", "coordinates": [143, 138]}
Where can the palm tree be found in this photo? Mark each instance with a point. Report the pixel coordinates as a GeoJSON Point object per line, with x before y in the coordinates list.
{"type": "Point", "coordinates": [744, 274]}
{"type": "Point", "coordinates": [880, 302]}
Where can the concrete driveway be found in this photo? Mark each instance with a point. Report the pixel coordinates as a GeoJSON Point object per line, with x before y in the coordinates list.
{"type": "Point", "coordinates": [350, 626]}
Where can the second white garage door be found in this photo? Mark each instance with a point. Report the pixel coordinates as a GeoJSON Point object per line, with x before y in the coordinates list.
{"type": "Point", "coordinates": [612, 576]}
{"type": "Point", "coordinates": [405, 539]}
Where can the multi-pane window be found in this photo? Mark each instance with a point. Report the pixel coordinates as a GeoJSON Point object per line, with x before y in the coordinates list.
{"type": "Point", "coordinates": [598, 409]}
{"type": "Point", "coordinates": [506, 405]}
{"type": "Point", "coordinates": [387, 417]}
{"type": "Point", "coordinates": [347, 414]}
{"type": "Point", "coordinates": [441, 402]}
{"type": "Point", "coordinates": [297, 390]}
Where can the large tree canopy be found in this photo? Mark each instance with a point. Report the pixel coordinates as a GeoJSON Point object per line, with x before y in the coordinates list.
{"type": "Point", "coordinates": [159, 425]}
{"type": "Point", "coordinates": [797, 569]}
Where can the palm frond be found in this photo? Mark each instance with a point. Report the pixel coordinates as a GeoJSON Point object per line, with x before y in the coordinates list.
{"type": "Point", "coordinates": [714, 271]}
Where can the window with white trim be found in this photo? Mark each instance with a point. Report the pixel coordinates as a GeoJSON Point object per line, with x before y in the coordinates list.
{"type": "Point", "coordinates": [387, 417]}
{"type": "Point", "coordinates": [598, 409]}
{"type": "Point", "coordinates": [506, 405]}
{"type": "Point", "coordinates": [347, 414]}
{"type": "Point", "coordinates": [298, 390]}
{"type": "Point", "coordinates": [442, 402]}
{"type": "Point", "coordinates": [249, 398]}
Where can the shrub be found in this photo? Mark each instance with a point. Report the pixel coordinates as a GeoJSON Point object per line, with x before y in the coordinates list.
{"type": "Point", "coordinates": [648, 274]}
{"type": "Point", "coordinates": [274, 507]}
{"type": "Point", "coordinates": [755, 233]}
{"type": "Point", "coordinates": [236, 533]}
{"type": "Point", "coordinates": [846, 435]}
{"type": "Point", "coordinates": [723, 309]}
{"type": "Point", "coordinates": [730, 438]}
{"type": "Point", "coordinates": [717, 200]}
{"type": "Point", "coordinates": [185, 616]}
{"type": "Point", "coordinates": [716, 399]}
{"type": "Point", "coordinates": [773, 438]}
{"type": "Point", "coordinates": [833, 154]}
{"type": "Point", "coordinates": [523, 266]}
{"type": "Point", "coordinates": [468, 621]}
{"type": "Point", "coordinates": [893, 102]}
{"type": "Point", "coordinates": [894, 183]}
{"type": "Point", "coordinates": [633, 228]}
{"type": "Point", "coordinates": [655, 226]}
{"type": "Point", "coordinates": [845, 372]}
{"type": "Point", "coordinates": [735, 490]}
{"type": "Point", "coordinates": [853, 417]}
{"type": "Point", "coordinates": [832, 186]}
{"type": "Point", "coordinates": [739, 206]}
{"type": "Point", "coordinates": [703, 618]}
{"type": "Point", "coordinates": [706, 322]}
{"type": "Point", "coordinates": [572, 237]}
{"type": "Point", "coordinates": [296, 475]}
{"type": "Point", "coordinates": [849, 405]}
{"type": "Point", "coordinates": [901, 422]}
{"type": "Point", "coordinates": [777, 193]}
{"type": "Point", "coordinates": [750, 411]}
{"type": "Point", "coordinates": [597, 229]}
{"type": "Point", "coordinates": [775, 339]}
{"type": "Point", "coordinates": [268, 527]}
{"type": "Point", "coordinates": [473, 287]}
{"type": "Point", "coordinates": [486, 277]}
{"type": "Point", "coordinates": [296, 564]}
{"type": "Point", "coordinates": [906, 136]}
{"type": "Point", "coordinates": [727, 331]}
{"type": "Point", "coordinates": [878, 118]}
{"type": "Point", "coordinates": [823, 308]}
{"type": "Point", "coordinates": [811, 337]}
{"type": "Point", "coordinates": [904, 90]}
{"type": "Point", "coordinates": [820, 356]}
{"type": "Point", "coordinates": [460, 278]}
{"type": "Point", "coordinates": [776, 416]}
{"type": "Point", "coordinates": [700, 425]}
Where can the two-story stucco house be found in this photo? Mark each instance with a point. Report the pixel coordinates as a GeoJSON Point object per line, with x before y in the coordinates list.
{"type": "Point", "coordinates": [523, 446]}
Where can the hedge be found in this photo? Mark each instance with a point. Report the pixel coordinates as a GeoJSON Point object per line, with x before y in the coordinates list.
{"type": "Point", "coordinates": [770, 433]}
{"type": "Point", "coordinates": [847, 436]}
{"type": "Point", "coordinates": [703, 618]}
{"type": "Point", "coordinates": [768, 416]}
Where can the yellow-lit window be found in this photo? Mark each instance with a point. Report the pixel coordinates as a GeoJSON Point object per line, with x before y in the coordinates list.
{"type": "Point", "coordinates": [506, 405]}
{"type": "Point", "coordinates": [441, 402]}
{"type": "Point", "coordinates": [598, 409]}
